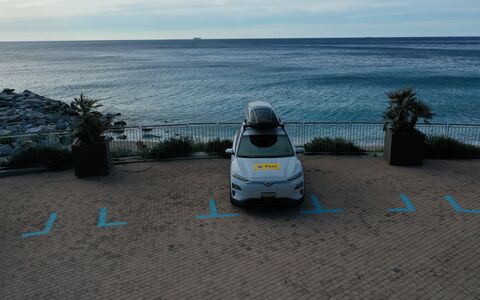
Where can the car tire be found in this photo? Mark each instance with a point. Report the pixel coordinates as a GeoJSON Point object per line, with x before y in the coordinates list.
{"type": "Point", "coordinates": [300, 201]}
{"type": "Point", "coordinates": [233, 200]}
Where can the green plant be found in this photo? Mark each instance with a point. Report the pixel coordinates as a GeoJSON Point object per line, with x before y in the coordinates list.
{"type": "Point", "coordinates": [405, 110]}
{"type": "Point", "coordinates": [199, 146]}
{"type": "Point", "coordinates": [37, 155]}
{"type": "Point", "coordinates": [334, 145]}
{"type": "Point", "coordinates": [118, 153]}
{"type": "Point", "coordinates": [90, 124]}
{"type": "Point", "coordinates": [218, 146]}
{"type": "Point", "coordinates": [444, 147]}
{"type": "Point", "coordinates": [172, 147]}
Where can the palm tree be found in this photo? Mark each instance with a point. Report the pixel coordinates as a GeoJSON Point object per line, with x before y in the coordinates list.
{"type": "Point", "coordinates": [90, 124]}
{"type": "Point", "coordinates": [405, 110]}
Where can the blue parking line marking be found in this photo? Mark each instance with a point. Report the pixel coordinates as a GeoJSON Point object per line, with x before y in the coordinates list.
{"type": "Point", "coordinates": [318, 209]}
{"type": "Point", "coordinates": [102, 219]}
{"type": "Point", "coordinates": [408, 206]}
{"type": "Point", "coordinates": [214, 212]}
{"type": "Point", "coordinates": [45, 230]}
{"type": "Point", "coordinates": [458, 208]}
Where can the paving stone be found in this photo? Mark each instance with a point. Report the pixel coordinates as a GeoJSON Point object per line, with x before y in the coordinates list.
{"type": "Point", "coordinates": [164, 252]}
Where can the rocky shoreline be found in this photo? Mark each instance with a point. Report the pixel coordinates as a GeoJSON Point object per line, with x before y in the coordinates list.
{"type": "Point", "coordinates": [31, 113]}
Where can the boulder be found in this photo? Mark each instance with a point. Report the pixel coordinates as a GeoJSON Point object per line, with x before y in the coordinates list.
{"type": "Point", "coordinates": [119, 124]}
{"type": "Point", "coordinates": [8, 91]}
{"type": "Point", "coordinates": [35, 129]}
{"type": "Point", "coordinates": [6, 103]}
{"type": "Point", "coordinates": [5, 150]}
{"type": "Point", "coordinates": [5, 132]}
{"type": "Point", "coordinates": [28, 112]}
{"type": "Point", "coordinates": [28, 94]}
{"type": "Point", "coordinates": [61, 126]}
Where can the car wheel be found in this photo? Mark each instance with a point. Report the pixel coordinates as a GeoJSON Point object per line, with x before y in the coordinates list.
{"type": "Point", "coordinates": [232, 200]}
{"type": "Point", "coordinates": [300, 201]}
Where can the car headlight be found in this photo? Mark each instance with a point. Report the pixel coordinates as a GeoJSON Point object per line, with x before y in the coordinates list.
{"type": "Point", "coordinates": [235, 175]}
{"type": "Point", "coordinates": [298, 175]}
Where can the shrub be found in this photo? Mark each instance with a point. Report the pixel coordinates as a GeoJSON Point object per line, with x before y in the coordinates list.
{"type": "Point", "coordinates": [199, 147]}
{"type": "Point", "coordinates": [172, 147]}
{"type": "Point", "coordinates": [37, 155]}
{"type": "Point", "coordinates": [118, 153]}
{"type": "Point", "coordinates": [218, 146]}
{"type": "Point", "coordinates": [405, 110]}
{"type": "Point", "coordinates": [90, 123]}
{"type": "Point", "coordinates": [444, 147]}
{"type": "Point", "coordinates": [335, 145]}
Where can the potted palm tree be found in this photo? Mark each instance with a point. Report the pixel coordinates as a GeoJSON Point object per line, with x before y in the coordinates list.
{"type": "Point", "coordinates": [91, 153]}
{"type": "Point", "coordinates": [403, 142]}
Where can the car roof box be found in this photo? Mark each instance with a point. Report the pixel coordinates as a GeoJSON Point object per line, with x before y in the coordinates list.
{"type": "Point", "coordinates": [261, 114]}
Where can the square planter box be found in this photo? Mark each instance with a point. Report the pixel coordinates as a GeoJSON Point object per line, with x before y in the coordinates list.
{"type": "Point", "coordinates": [403, 148]}
{"type": "Point", "coordinates": [91, 159]}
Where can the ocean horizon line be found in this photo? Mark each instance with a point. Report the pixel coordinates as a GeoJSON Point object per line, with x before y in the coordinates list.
{"type": "Point", "coordinates": [199, 38]}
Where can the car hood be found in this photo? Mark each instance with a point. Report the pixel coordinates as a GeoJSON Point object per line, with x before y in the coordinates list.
{"type": "Point", "coordinates": [246, 167]}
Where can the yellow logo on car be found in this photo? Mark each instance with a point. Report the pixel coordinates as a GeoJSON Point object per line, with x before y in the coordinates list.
{"type": "Point", "coordinates": [258, 167]}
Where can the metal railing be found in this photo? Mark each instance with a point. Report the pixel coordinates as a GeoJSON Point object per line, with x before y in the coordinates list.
{"type": "Point", "coordinates": [136, 141]}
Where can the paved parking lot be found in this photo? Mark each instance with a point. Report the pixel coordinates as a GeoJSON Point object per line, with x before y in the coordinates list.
{"type": "Point", "coordinates": [372, 231]}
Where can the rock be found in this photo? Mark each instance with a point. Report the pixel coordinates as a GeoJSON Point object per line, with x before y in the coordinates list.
{"type": "Point", "coordinates": [71, 112]}
{"type": "Point", "coordinates": [10, 119]}
{"type": "Point", "coordinates": [53, 118]}
{"type": "Point", "coordinates": [35, 129]}
{"type": "Point", "coordinates": [5, 150]}
{"type": "Point", "coordinates": [61, 126]}
{"type": "Point", "coordinates": [27, 93]}
{"type": "Point", "coordinates": [111, 116]}
{"type": "Point", "coordinates": [5, 132]}
{"type": "Point", "coordinates": [120, 124]}
{"type": "Point", "coordinates": [151, 136]}
{"type": "Point", "coordinates": [8, 91]}
{"type": "Point", "coordinates": [5, 103]}
{"type": "Point", "coordinates": [28, 112]}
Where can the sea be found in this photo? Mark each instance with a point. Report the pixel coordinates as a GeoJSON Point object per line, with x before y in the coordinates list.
{"type": "Point", "coordinates": [330, 79]}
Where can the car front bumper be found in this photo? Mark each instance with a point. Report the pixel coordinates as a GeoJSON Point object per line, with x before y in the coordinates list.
{"type": "Point", "coordinates": [256, 191]}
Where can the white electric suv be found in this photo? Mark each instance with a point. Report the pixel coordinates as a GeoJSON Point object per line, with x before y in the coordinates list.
{"type": "Point", "coordinates": [264, 165]}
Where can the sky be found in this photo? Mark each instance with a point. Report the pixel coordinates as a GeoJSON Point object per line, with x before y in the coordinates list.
{"type": "Point", "coordinates": [27, 20]}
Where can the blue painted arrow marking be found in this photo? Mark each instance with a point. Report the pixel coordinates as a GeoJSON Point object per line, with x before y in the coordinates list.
{"type": "Point", "coordinates": [102, 219]}
{"type": "Point", "coordinates": [214, 212]}
{"type": "Point", "coordinates": [458, 208]}
{"type": "Point", "coordinates": [408, 205]}
{"type": "Point", "coordinates": [318, 209]}
{"type": "Point", "coordinates": [45, 230]}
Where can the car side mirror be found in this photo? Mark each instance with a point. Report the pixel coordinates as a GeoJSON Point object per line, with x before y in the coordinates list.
{"type": "Point", "coordinates": [229, 151]}
{"type": "Point", "coordinates": [299, 150]}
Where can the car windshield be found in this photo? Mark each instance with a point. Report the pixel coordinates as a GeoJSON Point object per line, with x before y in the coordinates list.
{"type": "Point", "coordinates": [258, 146]}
